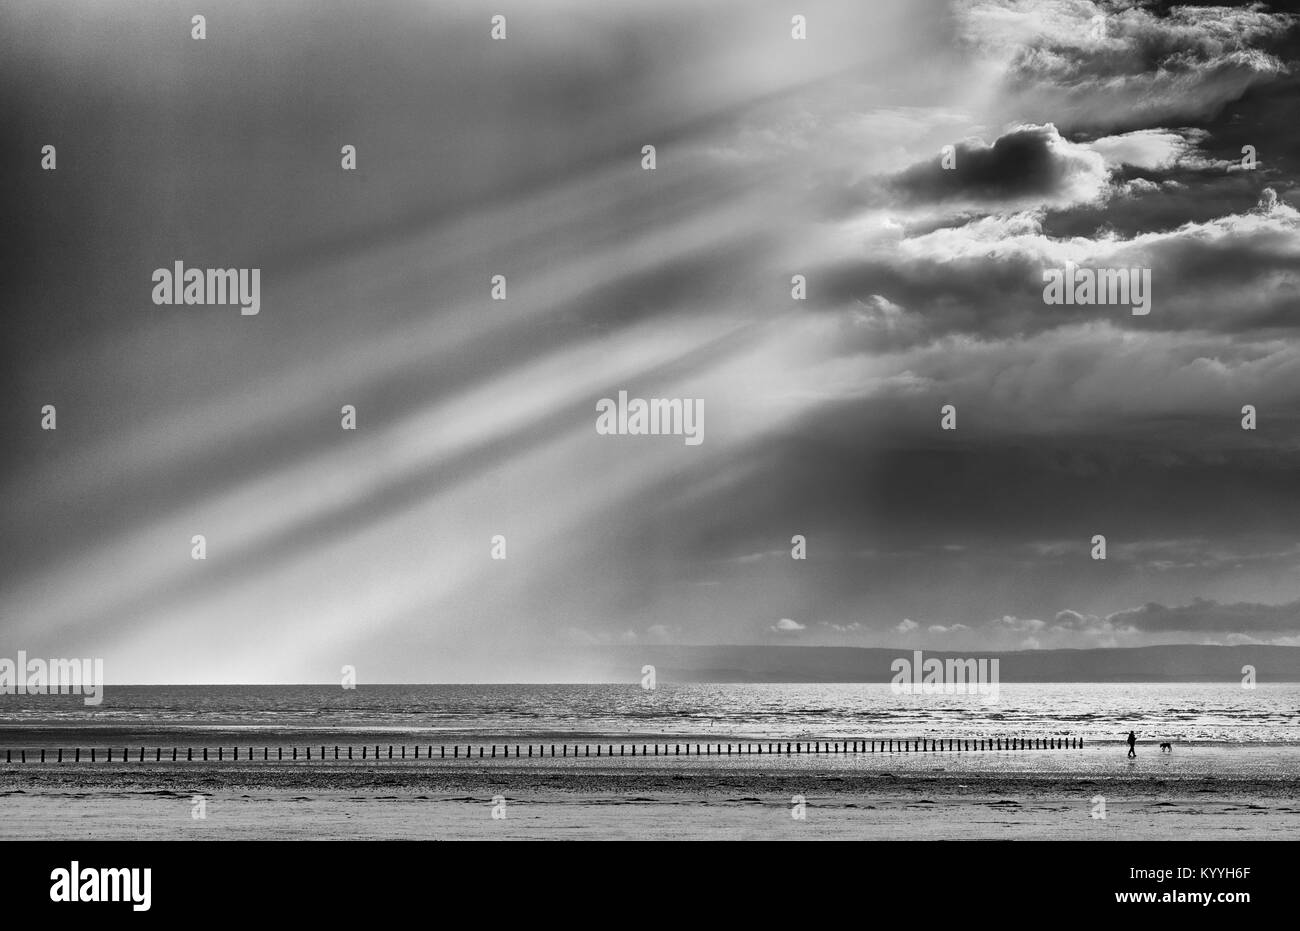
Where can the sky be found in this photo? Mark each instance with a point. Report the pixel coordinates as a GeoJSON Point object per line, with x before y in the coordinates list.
{"type": "Point", "coordinates": [1099, 134]}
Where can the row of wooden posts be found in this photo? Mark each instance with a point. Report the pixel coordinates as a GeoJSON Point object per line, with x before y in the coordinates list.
{"type": "Point", "coordinates": [916, 745]}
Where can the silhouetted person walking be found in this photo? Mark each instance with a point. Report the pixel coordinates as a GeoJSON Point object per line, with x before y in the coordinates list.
{"type": "Point", "coordinates": [1132, 742]}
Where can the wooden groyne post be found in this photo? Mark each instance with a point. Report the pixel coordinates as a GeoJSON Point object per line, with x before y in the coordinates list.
{"type": "Point", "coordinates": [489, 751]}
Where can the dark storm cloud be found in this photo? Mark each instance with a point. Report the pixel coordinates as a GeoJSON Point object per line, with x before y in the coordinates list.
{"type": "Point", "coordinates": [1147, 201]}
{"type": "Point", "coordinates": [1006, 492]}
{"type": "Point", "coordinates": [1033, 161]}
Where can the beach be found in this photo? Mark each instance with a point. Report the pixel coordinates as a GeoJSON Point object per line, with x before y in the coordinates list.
{"type": "Point", "coordinates": [1234, 771]}
{"type": "Point", "coordinates": [1207, 792]}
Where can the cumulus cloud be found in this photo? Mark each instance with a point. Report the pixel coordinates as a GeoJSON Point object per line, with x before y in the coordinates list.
{"type": "Point", "coordinates": [786, 625]}
{"type": "Point", "coordinates": [1019, 624]}
{"type": "Point", "coordinates": [662, 633]}
{"type": "Point", "coordinates": [584, 637]}
{"type": "Point", "coordinates": [1208, 616]}
{"type": "Point", "coordinates": [1203, 620]}
{"type": "Point", "coordinates": [947, 628]}
{"type": "Point", "coordinates": [1157, 150]}
{"type": "Point", "coordinates": [984, 276]}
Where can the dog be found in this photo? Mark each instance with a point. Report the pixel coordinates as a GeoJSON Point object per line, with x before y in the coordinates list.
{"type": "Point", "coordinates": [1166, 746]}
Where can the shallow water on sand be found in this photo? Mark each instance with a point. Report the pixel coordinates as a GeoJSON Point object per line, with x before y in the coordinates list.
{"type": "Point", "coordinates": [1179, 712]}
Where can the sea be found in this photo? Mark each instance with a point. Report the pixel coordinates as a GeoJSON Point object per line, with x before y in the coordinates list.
{"type": "Point", "coordinates": [1186, 713]}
